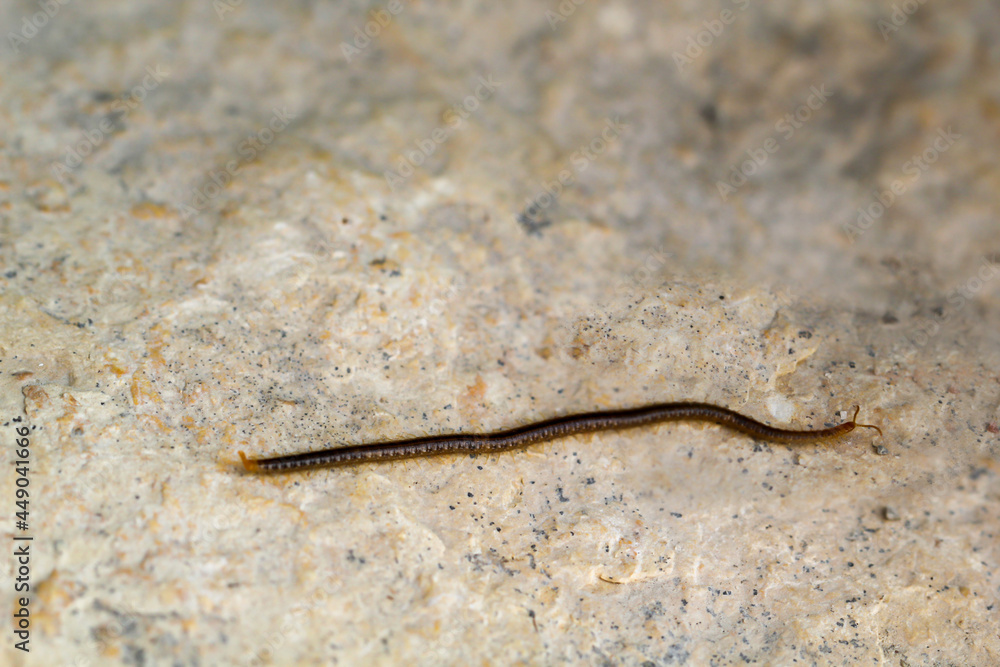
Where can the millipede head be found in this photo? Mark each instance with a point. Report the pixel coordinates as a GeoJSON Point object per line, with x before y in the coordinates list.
{"type": "Point", "coordinates": [857, 409]}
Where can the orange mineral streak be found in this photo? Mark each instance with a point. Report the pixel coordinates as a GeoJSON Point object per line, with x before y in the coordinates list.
{"type": "Point", "coordinates": [142, 389]}
{"type": "Point", "coordinates": [148, 210]}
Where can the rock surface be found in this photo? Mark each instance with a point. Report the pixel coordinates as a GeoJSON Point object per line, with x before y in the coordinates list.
{"type": "Point", "coordinates": [242, 226]}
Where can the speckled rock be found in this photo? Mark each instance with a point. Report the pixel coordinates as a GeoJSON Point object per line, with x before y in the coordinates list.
{"type": "Point", "coordinates": [245, 226]}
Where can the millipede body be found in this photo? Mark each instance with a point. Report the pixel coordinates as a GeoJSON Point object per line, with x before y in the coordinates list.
{"type": "Point", "coordinates": [549, 429]}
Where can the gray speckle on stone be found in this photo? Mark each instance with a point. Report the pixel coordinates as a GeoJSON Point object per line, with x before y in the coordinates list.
{"type": "Point", "coordinates": [274, 227]}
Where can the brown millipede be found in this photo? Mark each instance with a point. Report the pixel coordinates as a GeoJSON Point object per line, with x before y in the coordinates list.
{"type": "Point", "coordinates": [545, 430]}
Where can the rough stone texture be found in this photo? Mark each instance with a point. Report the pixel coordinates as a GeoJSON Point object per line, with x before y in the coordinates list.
{"type": "Point", "coordinates": [153, 323]}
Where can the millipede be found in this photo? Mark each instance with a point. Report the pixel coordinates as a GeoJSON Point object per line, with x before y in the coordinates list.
{"type": "Point", "coordinates": [550, 429]}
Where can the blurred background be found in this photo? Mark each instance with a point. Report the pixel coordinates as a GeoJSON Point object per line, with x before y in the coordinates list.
{"type": "Point", "coordinates": [239, 225]}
